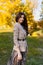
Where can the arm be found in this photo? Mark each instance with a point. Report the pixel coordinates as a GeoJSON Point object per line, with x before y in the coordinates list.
{"type": "Point", "coordinates": [15, 35]}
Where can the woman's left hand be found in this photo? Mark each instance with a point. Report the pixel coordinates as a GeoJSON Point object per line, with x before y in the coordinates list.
{"type": "Point", "coordinates": [19, 57]}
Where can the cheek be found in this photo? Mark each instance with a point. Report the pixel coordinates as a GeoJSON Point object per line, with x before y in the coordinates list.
{"type": "Point", "coordinates": [20, 20]}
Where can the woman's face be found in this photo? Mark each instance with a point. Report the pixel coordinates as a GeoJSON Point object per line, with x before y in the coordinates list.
{"type": "Point", "coordinates": [21, 19]}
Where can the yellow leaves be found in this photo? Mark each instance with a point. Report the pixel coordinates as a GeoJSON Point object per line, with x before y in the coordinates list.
{"type": "Point", "coordinates": [16, 2]}
{"type": "Point", "coordinates": [11, 7]}
{"type": "Point", "coordinates": [37, 33]}
{"type": "Point", "coordinates": [27, 1]}
{"type": "Point", "coordinates": [7, 5]}
{"type": "Point", "coordinates": [3, 18]}
{"type": "Point", "coordinates": [33, 4]}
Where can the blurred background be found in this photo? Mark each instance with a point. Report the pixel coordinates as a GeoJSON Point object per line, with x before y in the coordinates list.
{"type": "Point", "coordinates": [34, 13]}
{"type": "Point", "coordinates": [33, 10]}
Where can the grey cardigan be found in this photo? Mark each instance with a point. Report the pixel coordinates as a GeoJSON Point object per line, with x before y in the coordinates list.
{"type": "Point", "coordinates": [20, 32]}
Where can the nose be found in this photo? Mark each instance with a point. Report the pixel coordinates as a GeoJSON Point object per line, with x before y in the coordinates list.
{"type": "Point", "coordinates": [22, 18]}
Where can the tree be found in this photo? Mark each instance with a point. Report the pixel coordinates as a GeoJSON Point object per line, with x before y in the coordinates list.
{"type": "Point", "coordinates": [41, 11]}
{"type": "Point", "coordinates": [41, 16]}
{"type": "Point", "coordinates": [9, 9]}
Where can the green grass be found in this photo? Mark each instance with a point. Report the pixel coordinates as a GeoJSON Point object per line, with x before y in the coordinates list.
{"type": "Point", "coordinates": [35, 49]}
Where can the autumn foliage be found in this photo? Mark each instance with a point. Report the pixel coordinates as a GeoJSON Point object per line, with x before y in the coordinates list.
{"type": "Point", "coordinates": [9, 9]}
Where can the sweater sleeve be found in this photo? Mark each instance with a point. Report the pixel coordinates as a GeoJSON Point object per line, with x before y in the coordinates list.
{"type": "Point", "coordinates": [15, 35]}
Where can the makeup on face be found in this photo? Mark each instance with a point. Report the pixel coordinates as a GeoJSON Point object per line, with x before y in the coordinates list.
{"type": "Point", "coordinates": [21, 19]}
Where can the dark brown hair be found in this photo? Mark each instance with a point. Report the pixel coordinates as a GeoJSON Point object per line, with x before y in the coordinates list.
{"type": "Point", "coordinates": [24, 24]}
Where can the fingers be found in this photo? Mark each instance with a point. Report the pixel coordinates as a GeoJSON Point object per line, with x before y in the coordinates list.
{"type": "Point", "coordinates": [19, 57]}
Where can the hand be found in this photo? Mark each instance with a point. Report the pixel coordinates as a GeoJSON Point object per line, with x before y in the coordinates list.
{"type": "Point", "coordinates": [19, 56]}
{"type": "Point", "coordinates": [18, 51]}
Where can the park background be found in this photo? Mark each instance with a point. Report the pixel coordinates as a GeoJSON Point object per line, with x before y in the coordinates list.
{"type": "Point", "coordinates": [34, 12]}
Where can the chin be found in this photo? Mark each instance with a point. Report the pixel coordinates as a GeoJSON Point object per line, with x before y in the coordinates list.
{"type": "Point", "coordinates": [21, 21]}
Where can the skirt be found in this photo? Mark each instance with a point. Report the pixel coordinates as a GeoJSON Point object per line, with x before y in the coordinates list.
{"type": "Point", "coordinates": [13, 58]}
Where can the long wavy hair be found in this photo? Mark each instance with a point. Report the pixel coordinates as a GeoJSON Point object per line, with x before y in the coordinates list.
{"type": "Point", "coordinates": [24, 23]}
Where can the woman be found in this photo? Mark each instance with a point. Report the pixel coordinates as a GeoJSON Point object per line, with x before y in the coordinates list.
{"type": "Point", "coordinates": [19, 38]}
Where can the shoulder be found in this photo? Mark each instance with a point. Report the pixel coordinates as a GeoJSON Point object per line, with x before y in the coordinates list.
{"type": "Point", "coordinates": [16, 25]}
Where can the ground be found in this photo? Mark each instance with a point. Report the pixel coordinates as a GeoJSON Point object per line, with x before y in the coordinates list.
{"type": "Point", "coordinates": [35, 49]}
